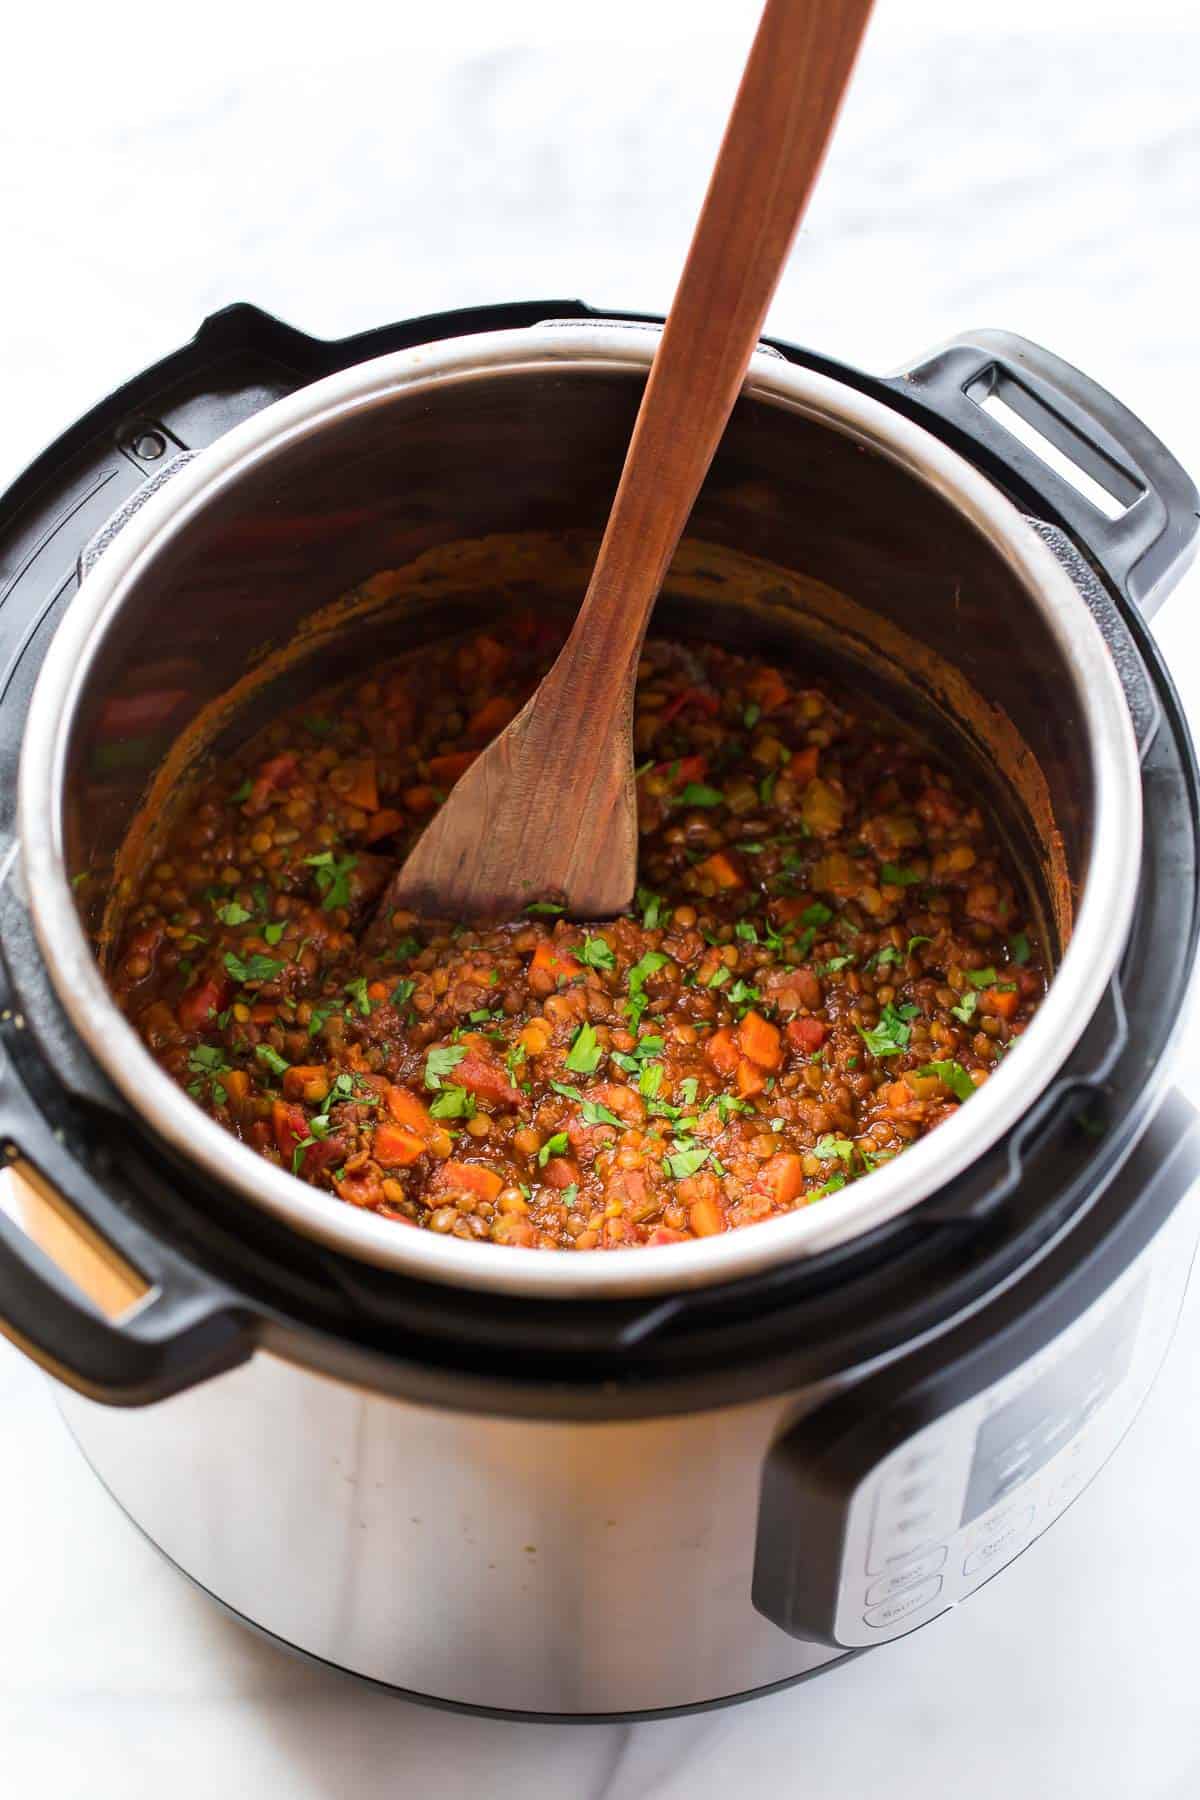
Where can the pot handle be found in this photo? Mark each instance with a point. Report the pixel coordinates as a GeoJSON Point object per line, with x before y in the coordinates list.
{"type": "Point", "coordinates": [1148, 544]}
{"type": "Point", "coordinates": [92, 1297]}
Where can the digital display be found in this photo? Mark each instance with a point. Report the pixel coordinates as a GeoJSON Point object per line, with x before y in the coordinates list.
{"type": "Point", "coordinates": [1021, 1437]}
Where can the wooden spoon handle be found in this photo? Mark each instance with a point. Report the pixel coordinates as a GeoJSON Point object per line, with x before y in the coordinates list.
{"type": "Point", "coordinates": [770, 157]}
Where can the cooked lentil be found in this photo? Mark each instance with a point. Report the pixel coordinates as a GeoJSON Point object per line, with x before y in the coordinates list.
{"type": "Point", "coordinates": [829, 953]}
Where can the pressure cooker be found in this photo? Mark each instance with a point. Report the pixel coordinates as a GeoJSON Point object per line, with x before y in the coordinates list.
{"type": "Point", "coordinates": [600, 1484]}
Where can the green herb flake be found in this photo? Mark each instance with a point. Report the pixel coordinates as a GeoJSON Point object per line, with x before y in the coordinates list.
{"type": "Point", "coordinates": [696, 793]}
{"type": "Point", "coordinates": [233, 914]}
{"type": "Point", "coordinates": [272, 1059]}
{"type": "Point", "coordinates": [766, 787]}
{"type": "Point", "coordinates": [889, 954]}
{"type": "Point", "coordinates": [981, 978]}
{"type": "Point", "coordinates": [402, 993]}
{"type": "Point", "coordinates": [896, 875]}
{"type": "Point", "coordinates": [816, 914]}
{"type": "Point", "coordinates": [965, 1010]}
{"type": "Point", "coordinates": [719, 976]}
{"type": "Point", "coordinates": [834, 964]}
{"type": "Point", "coordinates": [688, 1089]}
{"type": "Point", "coordinates": [205, 1059]}
{"type": "Point", "coordinates": [254, 968]}
{"type": "Point", "coordinates": [836, 1181]}
{"type": "Point", "coordinates": [893, 1032]}
{"type": "Point", "coordinates": [752, 715]}
{"type": "Point", "coordinates": [442, 1062]}
{"type": "Point", "coordinates": [553, 1146]}
{"type": "Point", "coordinates": [829, 1147]}
{"type": "Point", "coordinates": [1019, 947]}
{"type": "Point", "coordinates": [544, 906]}
{"type": "Point", "coordinates": [570, 1194]}
{"type": "Point", "coordinates": [585, 1055]}
{"type": "Point", "coordinates": [357, 990]}
{"type": "Point", "coordinates": [452, 1103]}
{"type": "Point", "coordinates": [953, 1076]}
{"type": "Point", "coordinates": [242, 793]}
{"type": "Point", "coordinates": [332, 877]}
{"type": "Point", "coordinates": [685, 1159]}
{"type": "Point", "coordinates": [653, 909]}
{"type": "Point", "coordinates": [597, 953]}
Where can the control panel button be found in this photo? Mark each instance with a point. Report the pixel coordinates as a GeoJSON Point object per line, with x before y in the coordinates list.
{"type": "Point", "coordinates": [914, 1570]}
{"type": "Point", "coordinates": [913, 1600]}
{"type": "Point", "coordinates": [1007, 1534]}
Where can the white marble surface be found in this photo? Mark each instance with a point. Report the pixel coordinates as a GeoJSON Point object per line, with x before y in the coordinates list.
{"type": "Point", "coordinates": [1034, 167]}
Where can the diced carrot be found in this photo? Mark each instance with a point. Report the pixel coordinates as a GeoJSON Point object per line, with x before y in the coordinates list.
{"type": "Point", "coordinates": [378, 990]}
{"type": "Point", "coordinates": [560, 1172]}
{"type": "Point", "coordinates": [768, 687]}
{"type": "Point", "coordinates": [806, 1035]}
{"type": "Point", "coordinates": [236, 1084]}
{"type": "Point", "coordinates": [1001, 1001]}
{"type": "Point", "coordinates": [721, 870]}
{"type": "Point", "coordinates": [750, 1079]}
{"type": "Point", "coordinates": [554, 961]}
{"type": "Point", "coordinates": [396, 1147]}
{"type": "Point", "coordinates": [201, 1003]}
{"type": "Point", "coordinates": [263, 1012]}
{"type": "Point", "coordinates": [492, 716]}
{"type": "Point", "coordinates": [306, 1081]}
{"type": "Point", "coordinates": [760, 1041]}
{"type": "Point", "coordinates": [783, 1178]}
{"type": "Point", "coordinates": [803, 766]}
{"type": "Point", "coordinates": [290, 1126]}
{"type": "Point", "coordinates": [662, 1234]}
{"type": "Point", "coordinates": [409, 1111]}
{"type": "Point", "coordinates": [363, 790]}
{"type": "Point", "coordinates": [383, 824]}
{"type": "Point", "coordinates": [446, 770]}
{"type": "Point", "coordinates": [471, 1178]}
{"type": "Point", "coordinates": [420, 799]}
{"type": "Point", "coordinates": [706, 1218]}
{"type": "Point", "coordinates": [693, 696]}
{"type": "Point", "coordinates": [722, 1052]}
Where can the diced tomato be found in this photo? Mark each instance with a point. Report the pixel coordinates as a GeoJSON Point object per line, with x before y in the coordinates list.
{"type": "Point", "coordinates": [662, 1234]}
{"type": "Point", "coordinates": [395, 1146]}
{"type": "Point", "coordinates": [721, 870]}
{"type": "Point", "coordinates": [363, 789]}
{"type": "Point", "coordinates": [806, 1035]}
{"type": "Point", "coordinates": [759, 1040]}
{"type": "Point", "coordinates": [202, 1003]}
{"type": "Point", "coordinates": [446, 770]}
{"type": "Point", "coordinates": [693, 696]}
{"type": "Point", "coordinates": [803, 766]}
{"type": "Point", "coordinates": [722, 1051]}
{"type": "Point", "coordinates": [560, 1172]}
{"type": "Point", "coordinates": [681, 770]}
{"type": "Point", "coordinates": [290, 1126]}
{"type": "Point", "coordinates": [783, 1178]}
{"type": "Point", "coordinates": [277, 773]}
{"type": "Point", "coordinates": [363, 1188]}
{"type": "Point", "coordinates": [486, 1079]}
{"type": "Point", "coordinates": [471, 1178]}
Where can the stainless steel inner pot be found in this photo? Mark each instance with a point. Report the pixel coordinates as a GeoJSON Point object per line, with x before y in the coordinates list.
{"type": "Point", "coordinates": [480, 467]}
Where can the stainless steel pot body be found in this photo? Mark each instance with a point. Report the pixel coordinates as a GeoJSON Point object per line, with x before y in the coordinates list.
{"type": "Point", "coordinates": [480, 467]}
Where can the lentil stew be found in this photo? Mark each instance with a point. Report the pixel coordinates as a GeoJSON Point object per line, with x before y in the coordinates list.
{"type": "Point", "coordinates": [830, 951]}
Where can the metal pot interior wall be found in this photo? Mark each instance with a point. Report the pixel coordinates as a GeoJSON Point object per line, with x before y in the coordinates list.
{"type": "Point", "coordinates": [490, 491]}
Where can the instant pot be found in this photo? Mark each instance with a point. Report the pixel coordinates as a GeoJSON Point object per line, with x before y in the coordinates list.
{"type": "Point", "coordinates": [623, 1483]}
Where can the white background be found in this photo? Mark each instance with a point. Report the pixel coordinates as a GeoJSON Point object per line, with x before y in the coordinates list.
{"type": "Point", "coordinates": [1031, 166]}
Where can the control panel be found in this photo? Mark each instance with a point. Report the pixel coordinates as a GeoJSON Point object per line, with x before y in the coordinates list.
{"type": "Point", "coordinates": [899, 1499]}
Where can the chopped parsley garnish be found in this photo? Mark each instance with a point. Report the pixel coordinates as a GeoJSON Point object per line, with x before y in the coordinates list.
{"type": "Point", "coordinates": [332, 877]}
{"type": "Point", "coordinates": [544, 906]}
{"type": "Point", "coordinates": [319, 726]}
{"type": "Point", "coordinates": [719, 976]}
{"type": "Point", "coordinates": [981, 978]}
{"type": "Point", "coordinates": [650, 1080]}
{"type": "Point", "coordinates": [273, 933]}
{"type": "Point", "coordinates": [207, 1060]}
{"type": "Point", "coordinates": [688, 1089]}
{"type": "Point", "coordinates": [319, 1015]}
{"type": "Point", "coordinates": [728, 1105]}
{"type": "Point", "coordinates": [965, 1010]}
{"type": "Point", "coordinates": [233, 914]}
{"type": "Point", "coordinates": [816, 914]}
{"type": "Point", "coordinates": [593, 1113]}
{"type": "Point", "coordinates": [596, 952]}
{"type": "Point", "coordinates": [742, 994]}
{"type": "Point", "coordinates": [914, 941]}
{"type": "Point", "coordinates": [696, 793]}
{"type": "Point", "coordinates": [685, 1159]}
{"type": "Point", "coordinates": [452, 1103]}
{"type": "Point", "coordinates": [242, 793]}
{"type": "Point", "coordinates": [893, 1032]}
{"type": "Point", "coordinates": [1019, 947]}
{"type": "Point", "coordinates": [636, 981]}
{"type": "Point", "coordinates": [442, 1062]}
{"type": "Point", "coordinates": [834, 964]}
{"type": "Point", "coordinates": [553, 1146]}
{"type": "Point", "coordinates": [752, 715]}
{"type": "Point", "coordinates": [896, 875]}
{"type": "Point", "coordinates": [402, 993]}
{"type": "Point", "coordinates": [766, 787]}
{"type": "Point", "coordinates": [570, 1194]}
{"type": "Point", "coordinates": [585, 1055]}
{"type": "Point", "coordinates": [404, 948]}
{"type": "Point", "coordinates": [829, 1147]}
{"type": "Point", "coordinates": [889, 954]}
{"type": "Point", "coordinates": [272, 1058]}
{"type": "Point", "coordinates": [254, 968]}
{"type": "Point", "coordinates": [836, 1181]}
{"type": "Point", "coordinates": [357, 990]}
{"type": "Point", "coordinates": [953, 1076]}
{"type": "Point", "coordinates": [654, 909]}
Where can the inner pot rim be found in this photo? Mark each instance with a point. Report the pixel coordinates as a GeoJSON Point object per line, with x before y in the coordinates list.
{"type": "Point", "coordinates": [1101, 924]}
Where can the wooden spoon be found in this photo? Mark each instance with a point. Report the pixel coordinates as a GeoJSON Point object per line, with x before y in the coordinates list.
{"type": "Point", "coordinates": [550, 807]}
